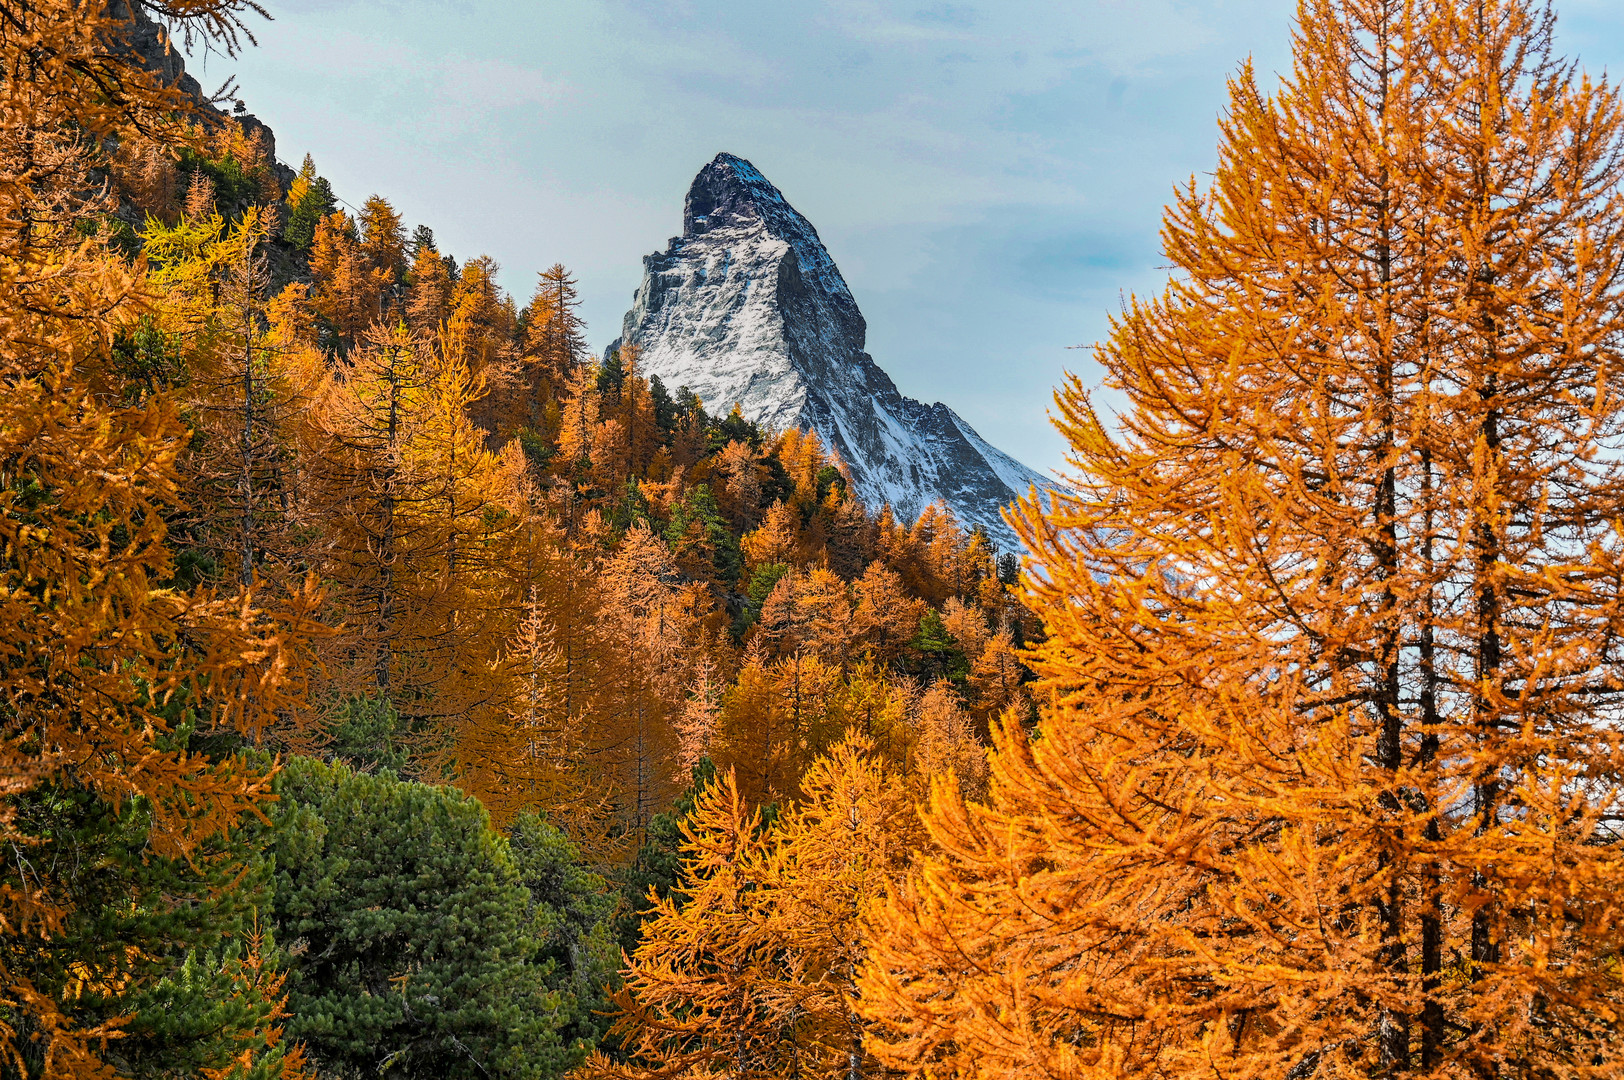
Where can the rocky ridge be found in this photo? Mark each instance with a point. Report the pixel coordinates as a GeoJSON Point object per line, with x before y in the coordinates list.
{"type": "Point", "coordinates": [747, 307]}
{"type": "Point", "coordinates": [152, 44]}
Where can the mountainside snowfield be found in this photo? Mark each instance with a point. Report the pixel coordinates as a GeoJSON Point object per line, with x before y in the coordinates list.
{"type": "Point", "coordinates": [746, 306]}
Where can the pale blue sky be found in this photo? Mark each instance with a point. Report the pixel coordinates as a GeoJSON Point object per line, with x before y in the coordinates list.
{"type": "Point", "coordinates": [989, 176]}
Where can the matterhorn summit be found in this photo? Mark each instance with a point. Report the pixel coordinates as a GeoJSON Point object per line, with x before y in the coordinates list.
{"type": "Point", "coordinates": [747, 307]}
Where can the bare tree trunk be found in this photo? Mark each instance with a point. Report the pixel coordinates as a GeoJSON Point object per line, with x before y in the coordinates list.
{"type": "Point", "coordinates": [386, 545]}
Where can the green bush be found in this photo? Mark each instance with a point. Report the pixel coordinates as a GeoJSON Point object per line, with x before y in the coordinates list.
{"type": "Point", "coordinates": [417, 949]}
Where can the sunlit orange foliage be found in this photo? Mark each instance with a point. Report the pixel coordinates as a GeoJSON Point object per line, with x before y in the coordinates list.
{"type": "Point", "coordinates": [810, 612]}
{"type": "Point", "coordinates": [659, 651]}
{"type": "Point", "coordinates": [1327, 777]}
{"type": "Point", "coordinates": [428, 298]}
{"type": "Point", "coordinates": [348, 290]}
{"type": "Point", "coordinates": [554, 342]}
{"type": "Point", "coordinates": [886, 615]}
{"type": "Point", "coordinates": [778, 540]}
{"type": "Point", "coordinates": [383, 240]}
{"type": "Point", "coordinates": [97, 646]}
{"type": "Point", "coordinates": [749, 968]}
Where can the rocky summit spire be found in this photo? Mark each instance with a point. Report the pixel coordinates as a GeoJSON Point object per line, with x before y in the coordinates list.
{"type": "Point", "coordinates": [747, 307]}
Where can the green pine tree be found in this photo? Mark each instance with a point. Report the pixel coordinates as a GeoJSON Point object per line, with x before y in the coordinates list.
{"type": "Point", "coordinates": [414, 939]}
{"type": "Point", "coordinates": [309, 200]}
{"type": "Point", "coordinates": [933, 654]}
{"type": "Point", "coordinates": [572, 912]}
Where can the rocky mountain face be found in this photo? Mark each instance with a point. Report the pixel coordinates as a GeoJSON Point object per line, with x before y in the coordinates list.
{"type": "Point", "coordinates": [157, 51]}
{"type": "Point", "coordinates": [746, 306]}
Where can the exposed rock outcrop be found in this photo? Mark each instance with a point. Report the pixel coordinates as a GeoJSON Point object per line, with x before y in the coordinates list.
{"type": "Point", "coordinates": [746, 306]}
{"type": "Point", "coordinates": [151, 42]}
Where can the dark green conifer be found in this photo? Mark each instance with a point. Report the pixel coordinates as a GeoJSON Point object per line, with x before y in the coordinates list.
{"type": "Point", "coordinates": [309, 200]}
{"type": "Point", "coordinates": [572, 913]}
{"type": "Point", "coordinates": [160, 940]}
{"type": "Point", "coordinates": [413, 938]}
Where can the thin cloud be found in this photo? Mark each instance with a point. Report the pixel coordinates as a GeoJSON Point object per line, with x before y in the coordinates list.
{"type": "Point", "coordinates": [989, 176]}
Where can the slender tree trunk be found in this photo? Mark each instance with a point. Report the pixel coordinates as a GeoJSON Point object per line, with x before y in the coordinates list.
{"type": "Point", "coordinates": [1433, 1032]}
{"type": "Point", "coordinates": [1486, 791]}
{"type": "Point", "coordinates": [245, 448]}
{"type": "Point", "coordinates": [1485, 949]}
{"type": "Point", "coordinates": [1393, 1024]}
{"type": "Point", "coordinates": [386, 544]}
{"type": "Point", "coordinates": [570, 613]}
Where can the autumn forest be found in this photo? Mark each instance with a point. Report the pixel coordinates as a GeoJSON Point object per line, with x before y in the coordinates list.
{"type": "Point", "coordinates": [391, 686]}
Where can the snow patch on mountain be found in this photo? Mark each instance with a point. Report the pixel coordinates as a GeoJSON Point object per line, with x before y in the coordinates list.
{"type": "Point", "coordinates": [747, 307]}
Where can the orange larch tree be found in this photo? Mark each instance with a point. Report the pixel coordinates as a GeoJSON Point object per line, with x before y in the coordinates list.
{"type": "Point", "coordinates": [649, 618]}
{"type": "Point", "coordinates": [836, 852]}
{"type": "Point", "coordinates": [778, 540]}
{"type": "Point", "coordinates": [100, 650]}
{"type": "Point", "coordinates": [555, 336]}
{"type": "Point", "coordinates": [886, 615]}
{"type": "Point", "coordinates": [749, 969]}
{"type": "Point", "coordinates": [699, 990]}
{"type": "Point", "coordinates": [946, 741]}
{"type": "Point", "coordinates": [358, 471]}
{"type": "Point", "coordinates": [383, 241]}
{"type": "Point", "coordinates": [809, 612]}
{"type": "Point", "coordinates": [488, 317]}
{"type": "Point", "coordinates": [238, 380]}
{"type": "Point", "coordinates": [428, 295]}
{"type": "Point", "coordinates": [1328, 761]}
{"type": "Point", "coordinates": [348, 291]}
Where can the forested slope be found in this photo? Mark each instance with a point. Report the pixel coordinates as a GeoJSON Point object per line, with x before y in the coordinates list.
{"type": "Point", "coordinates": [390, 573]}
{"type": "Point", "coordinates": [387, 689]}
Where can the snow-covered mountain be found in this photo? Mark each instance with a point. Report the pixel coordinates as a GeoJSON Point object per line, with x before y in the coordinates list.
{"type": "Point", "coordinates": [746, 306]}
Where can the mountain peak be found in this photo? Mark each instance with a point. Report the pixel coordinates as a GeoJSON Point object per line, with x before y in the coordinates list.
{"type": "Point", "coordinates": [747, 307]}
{"type": "Point", "coordinates": [732, 192]}
{"type": "Point", "coordinates": [730, 196]}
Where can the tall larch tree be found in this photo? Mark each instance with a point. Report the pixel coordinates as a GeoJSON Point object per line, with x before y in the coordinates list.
{"type": "Point", "coordinates": [424, 532]}
{"type": "Point", "coordinates": [778, 540]}
{"type": "Point", "coordinates": [348, 292]}
{"type": "Point", "coordinates": [698, 994]}
{"type": "Point", "coordinates": [749, 969]}
{"type": "Point", "coordinates": [836, 852]}
{"type": "Point", "coordinates": [1329, 751]}
{"type": "Point", "coordinates": [652, 620]}
{"type": "Point", "coordinates": [240, 385]}
{"type": "Point", "coordinates": [946, 741]}
{"type": "Point", "coordinates": [465, 505]}
{"type": "Point", "coordinates": [555, 335]}
{"type": "Point", "coordinates": [886, 615]}
{"type": "Point", "coordinates": [753, 739]}
{"type": "Point", "coordinates": [428, 297]}
{"type": "Point", "coordinates": [488, 318]}
{"type": "Point", "coordinates": [103, 657]}
{"type": "Point", "coordinates": [521, 753]}
{"type": "Point", "coordinates": [358, 471]}
{"type": "Point", "coordinates": [696, 724]}
{"type": "Point", "coordinates": [383, 240]}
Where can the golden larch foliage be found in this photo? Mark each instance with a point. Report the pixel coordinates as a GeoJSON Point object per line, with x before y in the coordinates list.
{"type": "Point", "coordinates": [886, 615]}
{"type": "Point", "coordinates": [1329, 749]}
{"type": "Point", "coordinates": [749, 968]}
{"type": "Point", "coordinates": [97, 647]}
